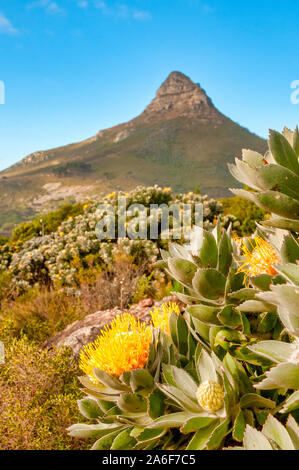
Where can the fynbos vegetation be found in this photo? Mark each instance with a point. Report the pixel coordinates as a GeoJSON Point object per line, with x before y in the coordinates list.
{"type": "Point", "coordinates": [218, 367]}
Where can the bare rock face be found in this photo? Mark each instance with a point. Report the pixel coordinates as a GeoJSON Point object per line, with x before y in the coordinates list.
{"type": "Point", "coordinates": [85, 331]}
{"type": "Point", "coordinates": [179, 96]}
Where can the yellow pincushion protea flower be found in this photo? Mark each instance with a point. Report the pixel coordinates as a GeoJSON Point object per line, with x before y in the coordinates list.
{"type": "Point", "coordinates": [161, 315]}
{"type": "Point", "coordinates": [122, 346]}
{"type": "Point", "coordinates": [210, 395]}
{"type": "Point", "coordinates": [261, 260]}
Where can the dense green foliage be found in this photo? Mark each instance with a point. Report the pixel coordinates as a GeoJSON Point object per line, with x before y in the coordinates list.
{"type": "Point", "coordinates": [245, 211]}
{"type": "Point", "coordinates": [47, 223]}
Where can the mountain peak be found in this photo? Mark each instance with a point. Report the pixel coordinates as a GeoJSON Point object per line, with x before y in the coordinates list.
{"type": "Point", "coordinates": [176, 82]}
{"type": "Point", "coordinates": [180, 96]}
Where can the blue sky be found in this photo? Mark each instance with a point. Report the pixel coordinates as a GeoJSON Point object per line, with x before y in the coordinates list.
{"type": "Point", "coordinates": [73, 67]}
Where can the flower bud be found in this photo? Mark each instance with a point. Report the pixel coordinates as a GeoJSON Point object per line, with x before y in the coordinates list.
{"type": "Point", "coordinates": [210, 395]}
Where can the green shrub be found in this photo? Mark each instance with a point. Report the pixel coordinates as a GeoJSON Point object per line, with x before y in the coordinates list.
{"type": "Point", "coordinates": [144, 289]}
{"type": "Point", "coordinates": [39, 314]}
{"type": "Point", "coordinates": [3, 240]}
{"type": "Point", "coordinates": [245, 211]}
{"type": "Point", "coordinates": [47, 223]}
{"type": "Point", "coordinates": [71, 169]}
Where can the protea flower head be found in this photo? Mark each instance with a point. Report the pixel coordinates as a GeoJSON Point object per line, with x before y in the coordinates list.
{"type": "Point", "coordinates": [260, 260]}
{"type": "Point", "coordinates": [122, 346]}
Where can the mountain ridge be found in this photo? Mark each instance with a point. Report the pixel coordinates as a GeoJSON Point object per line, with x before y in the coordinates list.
{"type": "Point", "coordinates": [180, 139]}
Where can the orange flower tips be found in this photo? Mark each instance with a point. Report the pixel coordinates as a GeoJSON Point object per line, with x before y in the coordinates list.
{"type": "Point", "coordinates": [261, 260]}
{"type": "Point", "coordinates": [161, 315]}
{"type": "Point", "coordinates": [122, 346]}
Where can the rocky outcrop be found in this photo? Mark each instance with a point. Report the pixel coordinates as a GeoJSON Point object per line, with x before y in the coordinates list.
{"type": "Point", "coordinates": [84, 331]}
{"type": "Point", "coordinates": [179, 96]}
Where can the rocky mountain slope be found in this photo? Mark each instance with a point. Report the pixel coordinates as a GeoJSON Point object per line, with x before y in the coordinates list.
{"type": "Point", "coordinates": [179, 140]}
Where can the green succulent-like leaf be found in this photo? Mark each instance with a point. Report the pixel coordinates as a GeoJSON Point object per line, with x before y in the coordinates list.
{"type": "Point", "coordinates": [205, 313]}
{"type": "Point", "coordinates": [202, 329]}
{"type": "Point", "coordinates": [209, 283]}
{"type": "Point", "coordinates": [256, 306]}
{"type": "Point", "coordinates": [149, 435]}
{"type": "Point", "coordinates": [290, 271]}
{"type": "Point", "coordinates": [132, 403]}
{"type": "Point", "coordinates": [286, 296]}
{"type": "Point", "coordinates": [289, 320]}
{"type": "Point", "coordinates": [234, 282]}
{"type": "Point", "coordinates": [109, 381]}
{"type": "Point", "coordinates": [239, 426]}
{"type": "Point", "coordinates": [225, 254]}
{"type": "Point", "coordinates": [278, 178]}
{"type": "Point", "coordinates": [276, 351]}
{"type": "Point", "coordinates": [243, 294]}
{"type": "Point", "coordinates": [182, 334]}
{"type": "Point", "coordinates": [272, 201]}
{"type": "Point", "coordinates": [289, 252]}
{"type": "Point", "coordinates": [202, 436]}
{"type": "Point", "coordinates": [141, 380]}
{"type": "Point", "coordinates": [249, 416]}
{"type": "Point", "coordinates": [254, 159]}
{"type": "Point", "coordinates": [255, 440]}
{"type": "Point", "coordinates": [284, 375]}
{"type": "Point", "coordinates": [231, 366]}
{"type": "Point", "coordinates": [84, 431]}
{"type": "Point", "coordinates": [216, 439]}
{"type": "Point", "coordinates": [295, 141]}
{"type": "Point", "coordinates": [124, 440]}
{"type": "Point", "coordinates": [172, 420]}
{"type": "Point", "coordinates": [282, 151]}
{"type": "Point", "coordinates": [182, 270]}
{"type": "Point", "coordinates": [96, 389]}
{"type": "Point", "coordinates": [209, 252]}
{"type": "Point", "coordinates": [278, 203]}
{"type": "Point", "coordinates": [105, 442]}
{"type": "Point", "coordinates": [195, 423]}
{"type": "Point", "coordinates": [230, 317]}
{"type": "Point", "coordinates": [253, 400]}
{"type": "Point", "coordinates": [178, 251]}
{"type": "Point", "coordinates": [206, 368]}
{"type": "Point", "coordinates": [181, 398]}
{"type": "Point", "coordinates": [275, 431]}
{"type": "Point", "coordinates": [262, 282]}
{"type": "Point", "coordinates": [291, 404]}
{"type": "Point", "coordinates": [267, 322]}
{"type": "Point", "coordinates": [183, 381]}
{"type": "Point", "coordinates": [245, 354]}
{"type": "Point", "coordinates": [226, 336]}
{"type": "Point", "coordinates": [156, 404]}
{"type": "Point", "coordinates": [282, 223]}
{"type": "Point", "coordinates": [89, 408]}
{"type": "Point", "coordinates": [293, 431]}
